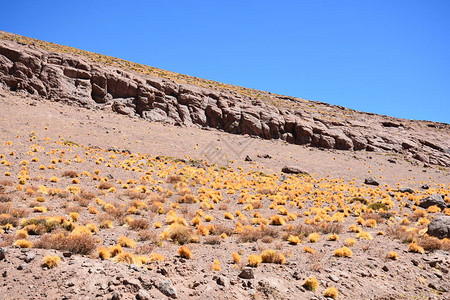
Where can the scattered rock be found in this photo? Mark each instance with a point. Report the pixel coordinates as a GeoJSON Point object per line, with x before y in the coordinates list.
{"type": "Point", "coordinates": [247, 273]}
{"type": "Point", "coordinates": [371, 181]}
{"type": "Point", "coordinates": [333, 278]}
{"type": "Point", "coordinates": [2, 254]}
{"type": "Point", "coordinates": [166, 287]}
{"type": "Point", "coordinates": [223, 281]}
{"type": "Point", "coordinates": [293, 170]}
{"type": "Point", "coordinates": [247, 158]}
{"type": "Point", "coordinates": [133, 282]}
{"type": "Point", "coordinates": [440, 227]}
{"type": "Point", "coordinates": [406, 190]}
{"type": "Point", "coordinates": [69, 283]}
{"type": "Point", "coordinates": [436, 199]}
{"type": "Point", "coordinates": [143, 295]}
{"type": "Point", "coordinates": [116, 296]}
{"type": "Point", "coordinates": [30, 257]}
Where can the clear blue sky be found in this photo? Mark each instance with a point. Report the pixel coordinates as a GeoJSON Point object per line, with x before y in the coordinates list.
{"type": "Point", "coordinates": [384, 56]}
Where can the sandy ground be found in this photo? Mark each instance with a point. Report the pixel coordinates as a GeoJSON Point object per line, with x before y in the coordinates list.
{"type": "Point", "coordinates": [29, 123]}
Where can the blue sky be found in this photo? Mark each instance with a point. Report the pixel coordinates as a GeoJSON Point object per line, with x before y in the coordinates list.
{"type": "Point", "coordinates": [389, 57]}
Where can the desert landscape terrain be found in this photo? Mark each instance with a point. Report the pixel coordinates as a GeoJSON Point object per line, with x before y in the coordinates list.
{"type": "Point", "coordinates": [122, 181]}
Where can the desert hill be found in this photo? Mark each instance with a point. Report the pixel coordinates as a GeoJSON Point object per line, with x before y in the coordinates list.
{"type": "Point", "coordinates": [94, 81]}
{"type": "Point", "coordinates": [117, 184]}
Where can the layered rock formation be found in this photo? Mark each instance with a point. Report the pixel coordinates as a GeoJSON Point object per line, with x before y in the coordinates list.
{"type": "Point", "coordinates": [78, 80]}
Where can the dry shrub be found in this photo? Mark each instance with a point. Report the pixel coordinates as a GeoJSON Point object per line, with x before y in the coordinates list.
{"type": "Point", "coordinates": [5, 198]}
{"type": "Point", "coordinates": [82, 243]}
{"type": "Point", "coordinates": [6, 182]}
{"type": "Point", "coordinates": [185, 252]}
{"type": "Point", "coordinates": [267, 239]}
{"type": "Point", "coordinates": [51, 261]}
{"type": "Point", "coordinates": [374, 216]}
{"type": "Point", "coordinates": [180, 234]}
{"type": "Point", "coordinates": [223, 206]}
{"type": "Point", "coordinates": [105, 185]}
{"type": "Point", "coordinates": [300, 230]}
{"type": "Point", "coordinates": [145, 249]}
{"type": "Point", "coordinates": [430, 243]}
{"type": "Point", "coordinates": [70, 174]}
{"type": "Point", "coordinates": [4, 208]}
{"type": "Point", "coordinates": [187, 198]}
{"type": "Point", "coordinates": [400, 233]}
{"type": "Point", "coordinates": [267, 231]}
{"type": "Point", "coordinates": [249, 234]}
{"type": "Point", "coordinates": [8, 219]}
{"type": "Point", "coordinates": [325, 227]}
{"type": "Point", "coordinates": [213, 240]}
{"type": "Point", "coordinates": [73, 209]}
{"type": "Point", "coordinates": [173, 178]}
{"type": "Point", "coordinates": [147, 235]}
{"type": "Point", "coordinates": [7, 240]}
{"type": "Point", "coordinates": [220, 229]}
{"type": "Point", "coordinates": [19, 212]}
{"type": "Point", "coordinates": [139, 224]}
{"type": "Point", "coordinates": [117, 213]}
{"type": "Point", "coordinates": [135, 195]}
{"type": "Point", "coordinates": [272, 257]}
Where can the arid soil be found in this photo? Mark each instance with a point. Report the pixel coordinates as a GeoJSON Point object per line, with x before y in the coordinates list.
{"type": "Point", "coordinates": [73, 181]}
{"type": "Point", "coordinates": [91, 80]}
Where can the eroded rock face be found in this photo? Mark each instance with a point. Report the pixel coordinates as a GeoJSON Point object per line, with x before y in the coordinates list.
{"type": "Point", "coordinates": [77, 81]}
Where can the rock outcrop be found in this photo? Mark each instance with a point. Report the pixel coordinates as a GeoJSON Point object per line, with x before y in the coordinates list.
{"type": "Point", "coordinates": [77, 80]}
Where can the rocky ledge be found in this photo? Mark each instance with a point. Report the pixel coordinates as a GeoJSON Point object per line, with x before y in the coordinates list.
{"type": "Point", "coordinates": [78, 80]}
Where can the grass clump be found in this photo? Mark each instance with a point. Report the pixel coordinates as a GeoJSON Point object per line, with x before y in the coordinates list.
{"type": "Point", "coordinates": [331, 292]}
{"type": "Point", "coordinates": [185, 252]}
{"type": "Point", "coordinates": [343, 252]}
{"type": "Point", "coordinates": [50, 261]}
{"type": "Point", "coordinates": [273, 257]}
{"type": "Point", "coordinates": [311, 284]}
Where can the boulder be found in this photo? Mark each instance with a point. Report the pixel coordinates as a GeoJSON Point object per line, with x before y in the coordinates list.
{"type": "Point", "coordinates": [440, 227]}
{"type": "Point", "coordinates": [247, 273]}
{"type": "Point", "coordinates": [436, 199]}
{"type": "Point", "coordinates": [293, 170]}
{"type": "Point", "coordinates": [371, 181]}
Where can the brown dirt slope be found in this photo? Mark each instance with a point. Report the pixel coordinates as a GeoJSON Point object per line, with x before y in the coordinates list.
{"type": "Point", "coordinates": [94, 81]}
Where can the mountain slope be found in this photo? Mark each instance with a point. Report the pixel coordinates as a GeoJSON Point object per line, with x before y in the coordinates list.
{"type": "Point", "coordinates": [94, 81]}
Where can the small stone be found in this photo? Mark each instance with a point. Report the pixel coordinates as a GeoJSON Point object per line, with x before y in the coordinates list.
{"type": "Point", "coordinates": [116, 296]}
{"type": "Point", "coordinates": [143, 295]}
{"type": "Point", "coordinates": [223, 281]}
{"type": "Point", "coordinates": [293, 170]}
{"type": "Point", "coordinates": [247, 273]}
{"type": "Point", "coordinates": [2, 254]}
{"type": "Point", "coordinates": [166, 287]}
{"type": "Point", "coordinates": [21, 267]}
{"type": "Point", "coordinates": [371, 181]}
{"type": "Point", "coordinates": [30, 257]}
{"type": "Point", "coordinates": [5, 274]}
{"type": "Point", "coordinates": [131, 281]}
{"type": "Point", "coordinates": [69, 283]}
{"type": "Point", "coordinates": [385, 268]}
{"type": "Point", "coordinates": [406, 190]}
{"type": "Point", "coordinates": [67, 254]}
{"type": "Point", "coordinates": [333, 278]}
{"type": "Point", "coordinates": [247, 158]}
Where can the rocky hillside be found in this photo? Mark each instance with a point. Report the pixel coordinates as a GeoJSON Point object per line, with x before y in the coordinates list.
{"type": "Point", "coordinates": [98, 82]}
